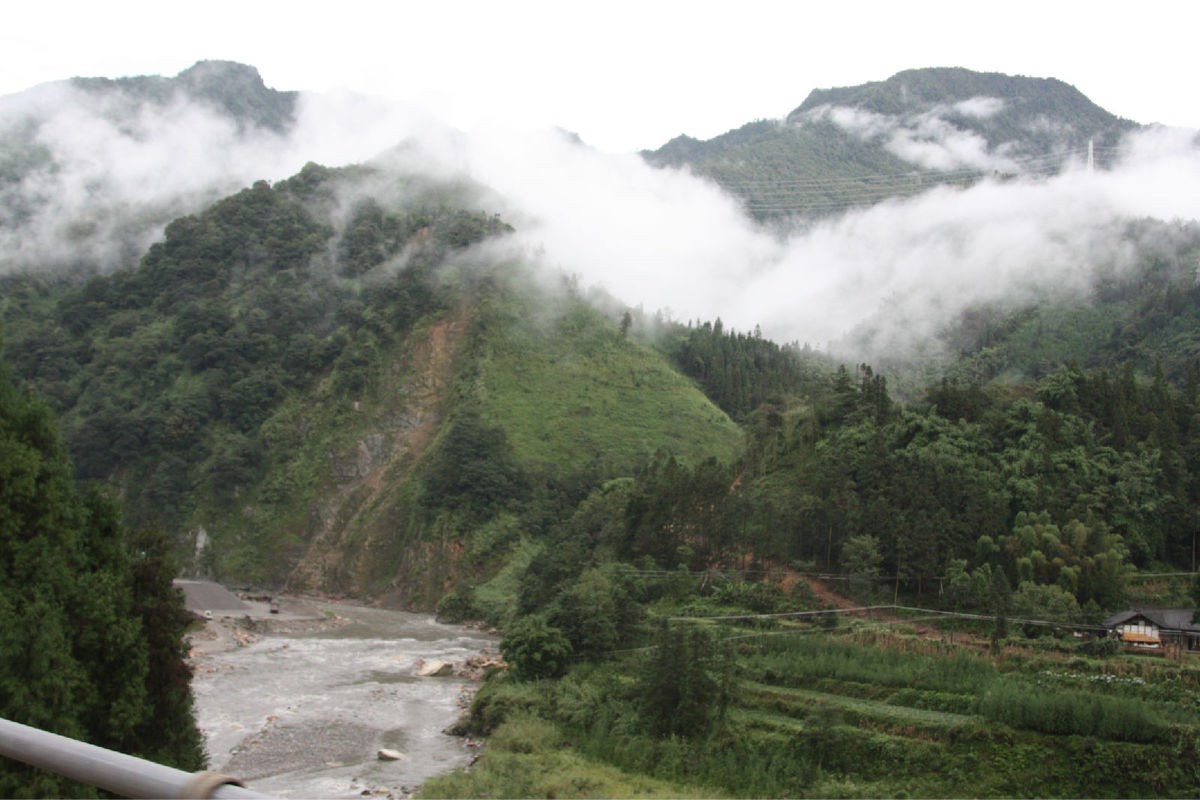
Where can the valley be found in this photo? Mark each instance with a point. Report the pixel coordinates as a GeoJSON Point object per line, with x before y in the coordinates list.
{"type": "Point", "coordinates": [444, 382]}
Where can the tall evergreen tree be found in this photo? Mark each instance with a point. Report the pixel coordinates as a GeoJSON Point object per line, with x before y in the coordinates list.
{"type": "Point", "coordinates": [90, 630]}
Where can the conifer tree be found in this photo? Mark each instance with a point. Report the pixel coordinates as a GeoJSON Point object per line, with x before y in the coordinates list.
{"type": "Point", "coordinates": [90, 631]}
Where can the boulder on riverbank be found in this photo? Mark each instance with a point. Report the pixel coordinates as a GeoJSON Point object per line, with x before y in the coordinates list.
{"type": "Point", "coordinates": [435, 668]}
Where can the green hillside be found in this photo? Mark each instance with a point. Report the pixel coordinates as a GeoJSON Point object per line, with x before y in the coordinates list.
{"type": "Point", "coordinates": [1144, 316]}
{"type": "Point", "coordinates": [572, 392]}
{"type": "Point", "coordinates": [274, 382]}
{"type": "Point", "coordinates": [1036, 116]}
{"type": "Point", "coordinates": [807, 166]}
{"type": "Point", "coordinates": [233, 89]}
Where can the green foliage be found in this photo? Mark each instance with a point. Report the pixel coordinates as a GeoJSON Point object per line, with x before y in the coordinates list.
{"type": "Point", "coordinates": [861, 559]}
{"type": "Point", "coordinates": [1063, 712]}
{"type": "Point", "coordinates": [92, 627]}
{"type": "Point", "coordinates": [216, 368]}
{"type": "Point", "coordinates": [807, 165]}
{"type": "Point", "coordinates": [458, 606]}
{"type": "Point", "coordinates": [795, 660]}
{"type": "Point", "coordinates": [740, 372]}
{"type": "Point", "coordinates": [671, 506]}
{"type": "Point", "coordinates": [598, 610]}
{"type": "Point", "coordinates": [761, 597]}
{"type": "Point", "coordinates": [782, 170]}
{"type": "Point", "coordinates": [473, 469]}
{"type": "Point", "coordinates": [503, 696]}
{"type": "Point", "coordinates": [683, 685]}
{"type": "Point", "coordinates": [577, 398]}
{"type": "Point", "coordinates": [1053, 484]}
{"type": "Point", "coordinates": [536, 649]}
{"type": "Point", "coordinates": [1044, 602]}
{"type": "Point", "coordinates": [531, 757]}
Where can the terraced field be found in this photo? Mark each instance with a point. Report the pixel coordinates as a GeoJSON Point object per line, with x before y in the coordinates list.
{"type": "Point", "coordinates": [873, 715]}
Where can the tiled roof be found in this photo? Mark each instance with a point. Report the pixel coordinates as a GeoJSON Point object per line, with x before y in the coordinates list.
{"type": "Point", "coordinates": [1175, 619]}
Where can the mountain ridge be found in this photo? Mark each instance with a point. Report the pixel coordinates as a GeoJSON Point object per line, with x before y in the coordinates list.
{"type": "Point", "coordinates": [855, 146]}
{"type": "Point", "coordinates": [231, 87]}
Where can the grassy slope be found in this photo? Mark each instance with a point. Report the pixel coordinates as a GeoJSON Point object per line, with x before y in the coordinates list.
{"type": "Point", "coordinates": [572, 393]}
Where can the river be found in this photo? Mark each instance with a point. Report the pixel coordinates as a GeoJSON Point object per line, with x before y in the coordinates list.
{"type": "Point", "coordinates": [302, 708]}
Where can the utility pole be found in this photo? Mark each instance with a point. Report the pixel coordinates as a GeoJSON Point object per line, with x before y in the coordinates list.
{"type": "Point", "coordinates": [1091, 156]}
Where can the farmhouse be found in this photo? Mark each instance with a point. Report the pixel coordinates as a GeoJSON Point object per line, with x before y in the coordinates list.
{"type": "Point", "coordinates": [1155, 628]}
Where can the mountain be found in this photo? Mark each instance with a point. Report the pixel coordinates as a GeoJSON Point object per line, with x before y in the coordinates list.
{"type": "Point", "coordinates": [342, 379]}
{"type": "Point", "coordinates": [92, 169]}
{"type": "Point", "coordinates": [277, 378]}
{"type": "Point", "coordinates": [233, 90]}
{"type": "Point", "coordinates": [384, 380]}
{"type": "Point", "coordinates": [848, 147]}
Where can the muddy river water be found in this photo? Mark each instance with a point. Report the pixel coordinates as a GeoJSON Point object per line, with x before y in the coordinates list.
{"type": "Point", "coordinates": [303, 709]}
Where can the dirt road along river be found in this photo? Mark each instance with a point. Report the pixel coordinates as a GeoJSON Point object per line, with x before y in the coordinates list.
{"type": "Point", "coordinates": [299, 704]}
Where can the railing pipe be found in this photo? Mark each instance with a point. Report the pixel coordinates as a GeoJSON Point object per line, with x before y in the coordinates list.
{"type": "Point", "coordinates": [115, 772]}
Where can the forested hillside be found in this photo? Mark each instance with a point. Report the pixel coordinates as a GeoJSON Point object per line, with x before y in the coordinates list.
{"type": "Point", "coordinates": [302, 383]}
{"type": "Point", "coordinates": [91, 628]}
{"type": "Point", "coordinates": [1143, 318]}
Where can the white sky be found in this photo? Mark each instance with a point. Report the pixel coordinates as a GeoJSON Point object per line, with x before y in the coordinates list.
{"type": "Point", "coordinates": [624, 75]}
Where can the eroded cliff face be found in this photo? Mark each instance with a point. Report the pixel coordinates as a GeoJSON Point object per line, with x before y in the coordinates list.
{"type": "Point", "coordinates": [360, 538]}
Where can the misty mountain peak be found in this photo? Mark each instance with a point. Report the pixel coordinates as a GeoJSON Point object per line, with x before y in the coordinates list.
{"type": "Point", "coordinates": [1002, 109]}
{"type": "Point", "coordinates": [234, 89]}
{"type": "Point", "coordinates": [855, 146]}
{"type": "Point", "coordinates": [238, 89]}
{"type": "Point", "coordinates": [217, 71]}
{"type": "Point", "coordinates": [919, 89]}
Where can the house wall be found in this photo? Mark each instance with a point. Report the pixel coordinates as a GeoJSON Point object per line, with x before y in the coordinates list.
{"type": "Point", "coordinates": [1142, 628]}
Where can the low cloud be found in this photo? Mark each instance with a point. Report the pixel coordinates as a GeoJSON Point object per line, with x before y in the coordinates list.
{"type": "Point", "coordinates": [979, 107]}
{"type": "Point", "coordinates": [667, 240]}
{"type": "Point", "coordinates": [108, 173]}
{"type": "Point", "coordinates": [895, 273]}
{"type": "Point", "coordinates": [929, 139]}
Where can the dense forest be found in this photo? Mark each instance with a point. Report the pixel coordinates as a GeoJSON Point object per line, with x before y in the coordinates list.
{"type": "Point", "coordinates": [166, 374]}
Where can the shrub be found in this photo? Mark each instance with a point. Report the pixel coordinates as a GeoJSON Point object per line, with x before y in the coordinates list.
{"type": "Point", "coordinates": [1100, 647]}
{"type": "Point", "coordinates": [535, 648]}
{"type": "Point", "coordinates": [525, 732]}
{"type": "Point", "coordinates": [499, 699]}
{"type": "Point", "coordinates": [458, 606]}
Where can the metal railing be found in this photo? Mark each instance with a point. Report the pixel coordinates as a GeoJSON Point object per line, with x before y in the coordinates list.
{"type": "Point", "coordinates": [118, 773]}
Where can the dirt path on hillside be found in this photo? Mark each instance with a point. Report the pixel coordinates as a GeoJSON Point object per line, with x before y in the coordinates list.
{"type": "Point", "coordinates": [831, 598]}
{"type": "Point", "coordinates": [826, 594]}
{"type": "Point", "coordinates": [926, 630]}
